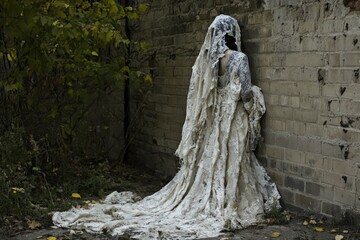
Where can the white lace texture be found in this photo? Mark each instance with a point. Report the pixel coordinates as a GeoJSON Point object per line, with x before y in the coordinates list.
{"type": "Point", "coordinates": [220, 184]}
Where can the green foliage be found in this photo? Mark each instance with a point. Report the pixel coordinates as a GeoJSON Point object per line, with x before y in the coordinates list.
{"type": "Point", "coordinates": [60, 60]}
{"type": "Point", "coordinates": [15, 163]}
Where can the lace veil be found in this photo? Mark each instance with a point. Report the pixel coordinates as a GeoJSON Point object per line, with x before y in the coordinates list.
{"type": "Point", "coordinates": [204, 79]}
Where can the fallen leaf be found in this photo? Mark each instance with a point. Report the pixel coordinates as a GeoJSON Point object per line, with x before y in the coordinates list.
{"type": "Point", "coordinates": [333, 230]}
{"type": "Point", "coordinates": [339, 237]}
{"type": "Point", "coordinates": [319, 229]}
{"type": "Point", "coordinates": [313, 222]}
{"type": "Point", "coordinates": [345, 231]}
{"type": "Point", "coordinates": [33, 224]}
{"type": "Point", "coordinates": [51, 238]}
{"type": "Point", "coordinates": [75, 195]}
{"type": "Point", "coordinates": [86, 206]}
{"type": "Point", "coordinates": [305, 223]}
{"type": "Point", "coordinates": [275, 234]}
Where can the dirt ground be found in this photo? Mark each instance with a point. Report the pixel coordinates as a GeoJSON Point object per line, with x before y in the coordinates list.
{"type": "Point", "coordinates": [294, 230]}
{"type": "Point", "coordinates": [296, 226]}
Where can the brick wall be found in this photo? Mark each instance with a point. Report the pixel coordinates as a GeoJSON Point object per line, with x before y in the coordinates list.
{"type": "Point", "coordinates": [305, 55]}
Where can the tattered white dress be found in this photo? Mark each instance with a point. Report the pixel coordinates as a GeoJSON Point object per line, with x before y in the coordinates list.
{"type": "Point", "coordinates": [220, 184]}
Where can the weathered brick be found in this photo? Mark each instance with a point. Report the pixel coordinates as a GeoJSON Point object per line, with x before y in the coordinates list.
{"type": "Point", "coordinates": [331, 26]}
{"type": "Point", "coordinates": [314, 129]}
{"type": "Point", "coordinates": [304, 59]}
{"type": "Point", "coordinates": [277, 177]}
{"type": "Point", "coordinates": [352, 92]}
{"type": "Point", "coordinates": [294, 183]}
{"type": "Point", "coordinates": [285, 28]}
{"type": "Point", "coordinates": [349, 106]}
{"type": "Point", "coordinates": [286, 194]}
{"type": "Point", "coordinates": [275, 124]}
{"type": "Point", "coordinates": [295, 156]}
{"type": "Point", "coordinates": [332, 149]}
{"type": "Point", "coordinates": [308, 203]}
{"type": "Point", "coordinates": [318, 161]}
{"type": "Point", "coordinates": [331, 209]}
{"type": "Point", "coordinates": [280, 112]}
{"type": "Point", "coordinates": [327, 120]}
{"type": "Point", "coordinates": [313, 189]}
{"type": "Point", "coordinates": [333, 59]}
{"type": "Point", "coordinates": [345, 167]}
{"type": "Point", "coordinates": [327, 192]}
{"type": "Point", "coordinates": [275, 152]}
{"type": "Point", "coordinates": [309, 44]}
{"type": "Point", "coordinates": [307, 26]}
{"type": "Point", "coordinates": [309, 102]}
{"type": "Point", "coordinates": [338, 180]}
{"type": "Point", "coordinates": [305, 116]}
{"type": "Point", "coordinates": [345, 197]}
{"type": "Point", "coordinates": [289, 3]}
{"type": "Point", "coordinates": [350, 59]}
{"type": "Point", "coordinates": [285, 140]}
{"type": "Point", "coordinates": [330, 105]}
{"type": "Point", "coordinates": [255, 18]}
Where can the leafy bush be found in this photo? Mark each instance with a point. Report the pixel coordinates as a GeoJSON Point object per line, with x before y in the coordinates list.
{"type": "Point", "coordinates": [62, 71]}
{"type": "Point", "coordinates": [15, 163]}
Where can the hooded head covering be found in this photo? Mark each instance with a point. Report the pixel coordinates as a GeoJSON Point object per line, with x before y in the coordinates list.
{"type": "Point", "coordinates": [215, 42]}
{"type": "Point", "coordinates": [204, 79]}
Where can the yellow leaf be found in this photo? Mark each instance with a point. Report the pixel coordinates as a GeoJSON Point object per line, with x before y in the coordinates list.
{"type": "Point", "coordinates": [34, 224]}
{"type": "Point", "coordinates": [333, 230]}
{"type": "Point", "coordinates": [144, 46]}
{"type": "Point", "coordinates": [16, 190]}
{"type": "Point", "coordinates": [71, 92]}
{"type": "Point", "coordinates": [339, 237]}
{"type": "Point", "coordinates": [142, 7]}
{"type": "Point", "coordinates": [1, 54]}
{"type": "Point", "coordinates": [148, 78]}
{"type": "Point", "coordinates": [313, 222]}
{"type": "Point", "coordinates": [129, 8]}
{"type": "Point", "coordinates": [53, 113]}
{"type": "Point", "coordinates": [113, 9]}
{"type": "Point", "coordinates": [132, 15]}
{"type": "Point", "coordinates": [94, 53]}
{"type": "Point", "coordinates": [319, 229]}
{"type": "Point", "coordinates": [36, 169]}
{"type": "Point", "coordinates": [75, 195]}
{"type": "Point", "coordinates": [51, 238]}
{"type": "Point", "coordinates": [275, 234]}
{"type": "Point", "coordinates": [9, 57]}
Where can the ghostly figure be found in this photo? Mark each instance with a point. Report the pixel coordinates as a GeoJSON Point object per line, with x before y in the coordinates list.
{"type": "Point", "coordinates": [220, 184]}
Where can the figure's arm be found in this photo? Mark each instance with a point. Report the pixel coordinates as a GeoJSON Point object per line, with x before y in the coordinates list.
{"type": "Point", "coordinates": [245, 78]}
{"type": "Point", "coordinates": [253, 102]}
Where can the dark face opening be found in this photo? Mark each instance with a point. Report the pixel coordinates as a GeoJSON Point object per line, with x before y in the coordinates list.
{"type": "Point", "coordinates": [231, 42]}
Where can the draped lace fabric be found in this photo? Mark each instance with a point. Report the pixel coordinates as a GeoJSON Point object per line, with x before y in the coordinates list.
{"type": "Point", "coordinates": [220, 184]}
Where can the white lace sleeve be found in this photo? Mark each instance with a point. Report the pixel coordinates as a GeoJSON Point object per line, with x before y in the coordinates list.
{"type": "Point", "coordinates": [256, 109]}
{"type": "Point", "coordinates": [245, 78]}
